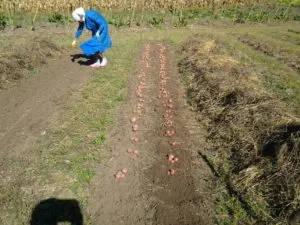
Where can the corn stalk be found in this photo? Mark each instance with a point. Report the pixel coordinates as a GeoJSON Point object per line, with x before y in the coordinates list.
{"type": "Point", "coordinates": [35, 15]}
{"type": "Point", "coordinates": [108, 5]}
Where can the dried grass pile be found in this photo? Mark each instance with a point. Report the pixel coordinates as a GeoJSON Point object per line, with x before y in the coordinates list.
{"type": "Point", "coordinates": [253, 138]}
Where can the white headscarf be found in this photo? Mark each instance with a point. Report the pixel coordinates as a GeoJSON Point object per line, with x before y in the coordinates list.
{"type": "Point", "coordinates": [77, 13]}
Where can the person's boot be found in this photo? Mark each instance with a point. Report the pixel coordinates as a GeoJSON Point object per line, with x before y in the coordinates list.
{"type": "Point", "coordinates": [96, 64]}
{"type": "Point", "coordinates": [103, 62]}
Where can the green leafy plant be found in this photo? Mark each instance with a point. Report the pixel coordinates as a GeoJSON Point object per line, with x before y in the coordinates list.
{"type": "Point", "coordinates": [99, 140]}
{"type": "Point", "coordinates": [261, 13]}
{"type": "Point", "coordinates": [181, 22]}
{"type": "Point", "coordinates": [193, 13]}
{"type": "Point", "coordinates": [56, 18]}
{"type": "Point", "coordinates": [297, 17]}
{"type": "Point", "coordinates": [3, 22]}
{"type": "Point", "coordinates": [290, 2]}
{"type": "Point", "coordinates": [119, 20]}
{"type": "Point", "coordinates": [156, 21]}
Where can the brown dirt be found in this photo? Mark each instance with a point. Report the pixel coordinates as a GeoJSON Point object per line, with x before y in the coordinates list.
{"type": "Point", "coordinates": [28, 107]}
{"type": "Point", "coordinates": [148, 195]}
{"type": "Point", "coordinates": [23, 51]}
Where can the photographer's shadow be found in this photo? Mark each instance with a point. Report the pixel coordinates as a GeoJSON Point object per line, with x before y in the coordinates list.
{"type": "Point", "coordinates": [78, 58]}
{"type": "Point", "coordinates": [52, 211]}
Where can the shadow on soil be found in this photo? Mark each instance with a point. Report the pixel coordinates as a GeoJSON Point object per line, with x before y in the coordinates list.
{"type": "Point", "coordinates": [86, 62]}
{"type": "Point", "coordinates": [52, 211]}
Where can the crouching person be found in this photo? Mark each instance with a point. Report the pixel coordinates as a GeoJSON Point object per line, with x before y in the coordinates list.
{"type": "Point", "coordinates": [100, 41]}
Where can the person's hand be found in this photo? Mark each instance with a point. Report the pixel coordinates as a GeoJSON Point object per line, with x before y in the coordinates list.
{"type": "Point", "coordinates": [97, 34]}
{"type": "Point", "coordinates": [74, 44]}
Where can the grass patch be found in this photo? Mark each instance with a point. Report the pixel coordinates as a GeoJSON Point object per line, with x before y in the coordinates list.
{"type": "Point", "coordinates": [274, 45]}
{"type": "Point", "coordinates": [230, 209]}
{"type": "Point", "coordinates": [284, 36]}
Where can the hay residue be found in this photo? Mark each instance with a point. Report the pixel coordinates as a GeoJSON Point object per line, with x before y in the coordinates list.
{"type": "Point", "coordinates": [253, 136]}
{"type": "Point", "coordinates": [17, 62]}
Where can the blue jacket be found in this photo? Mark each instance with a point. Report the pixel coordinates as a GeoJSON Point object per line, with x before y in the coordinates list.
{"type": "Point", "coordinates": [94, 22]}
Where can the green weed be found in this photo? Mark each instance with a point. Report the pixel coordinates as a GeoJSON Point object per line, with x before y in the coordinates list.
{"type": "Point", "coordinates": [99, 140]}
{"type": "Point", "coordinates": [120, 20]}
{"type": "Point", "coordinates": [156, 21]}
{"type": "Point", "coordinates": [83, 174]}
{"type": "Point", "coordinates": [58, 18]}
{"type": "Point", "coordinates": [181, 22]}
{"type": "Point", "coordinates": [55, 18]}
{"type": "Point", "coordinates": [3, 22]}
{"type": "Point", "coordinates": [230, 211]}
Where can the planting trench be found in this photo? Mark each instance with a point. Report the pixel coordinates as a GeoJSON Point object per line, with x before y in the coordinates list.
{"type": "Point", "coordinates": [155, 175]}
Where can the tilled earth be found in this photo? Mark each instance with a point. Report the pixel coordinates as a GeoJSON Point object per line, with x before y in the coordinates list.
{"type": "Point", "coordinates": [158, 176]}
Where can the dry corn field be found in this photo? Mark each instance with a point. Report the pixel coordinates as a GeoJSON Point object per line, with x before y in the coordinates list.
{"type": "Point", "coordinates": [56, 5]}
